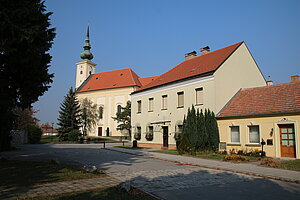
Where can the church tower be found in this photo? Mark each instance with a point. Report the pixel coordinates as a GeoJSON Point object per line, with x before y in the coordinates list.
{"type": "Point", "coordinates": [85, 67]}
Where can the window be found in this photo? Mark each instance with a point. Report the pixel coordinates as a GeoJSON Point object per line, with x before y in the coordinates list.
{"type": "Point", "coordinates": [139, 106]}
{"type": "Point", "coordinates": [151, 129]}
{"type": "Point", "coordinates": [139, 130]}
{"type": "Point", "coordinates": [180, 96]}
{"type": "Point", "coordinates": [254, 134]}
{"type": "Point", "coordinates": [151, 100]}
{"type": "Point", "coordinates": [119, 108]}
{"type": "Point", "coordinates": [235, 134]}
{"type": "Point", "coordinates": [199, 96]}
{"type": "Point", "coordinates": [179, 128]}
{"type": "Point", "coordinates": [80, 72]}
{"type": "Point", "coordinates": [164, 102]}
{"type": "Point", "coordinates": [101, 112]}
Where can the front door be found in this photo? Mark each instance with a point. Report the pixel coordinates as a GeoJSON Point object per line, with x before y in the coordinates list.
{"type": "Point", "coordinates": [99, 131]}
{"type": "Point", "coordinates": [165, 136]}
{"type": "Point", "coordinates": [287, 140]}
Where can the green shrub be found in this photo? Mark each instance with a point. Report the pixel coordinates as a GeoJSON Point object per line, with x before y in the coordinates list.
{"type": "Point", "coordinates": [34, 133]}
{"type": "Point", "coordinates": [74, 135]}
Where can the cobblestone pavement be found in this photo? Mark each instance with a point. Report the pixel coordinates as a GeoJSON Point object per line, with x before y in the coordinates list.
{"type": "Point", "coordinates": [56, 188]}
{"type": "Point", "coordinates": [165, 180]}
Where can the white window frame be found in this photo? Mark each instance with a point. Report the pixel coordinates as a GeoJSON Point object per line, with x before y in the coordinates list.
{"type": "Point", "coordinates": [197, 90]}
{"type": "Point", "coordinates": [139, 106]}
{"type": "Point", "coordinates": [164, 102]}
{"type": "Point", "coordinates": [235, 142]}
{"type": "Point", "coordinates": [150, 104]}
{"type": "Point", "coordinates": [250, 133]}
{"type": "Point", "coordinates": [178, 94]}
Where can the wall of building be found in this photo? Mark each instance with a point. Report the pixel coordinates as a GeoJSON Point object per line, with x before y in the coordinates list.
{"type": "Point", "coordinates": [238, 71]}
{"type": "Point", "coordinates": [83, 70]}
{"type": "Point", "coordinates": [172, 115]}
{"type": "Point", "coordinates": [268, 128]}
{"type": "Point", "coordinates": [109, 99]}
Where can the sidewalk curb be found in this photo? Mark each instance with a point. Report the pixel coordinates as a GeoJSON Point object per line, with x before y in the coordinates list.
{"type": "Point", "coordinates": [215, 168]}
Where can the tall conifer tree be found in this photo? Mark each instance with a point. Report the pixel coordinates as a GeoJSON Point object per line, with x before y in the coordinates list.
{"type": "Point", "coordinates": [69, 115]}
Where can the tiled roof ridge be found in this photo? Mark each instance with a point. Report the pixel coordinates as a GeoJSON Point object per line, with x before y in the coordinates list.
{"type": "Point", "coordinates": [132, 77]}
{"type": "Point", "coordinates": [271, 86]}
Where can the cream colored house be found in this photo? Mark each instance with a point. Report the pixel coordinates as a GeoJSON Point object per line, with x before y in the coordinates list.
{"type": "Point", "coordinates": [206, 81]}
{"type": "Point", "coordinates": [109, 90]}
{"type": "Point", "coordinates": [270, 113]}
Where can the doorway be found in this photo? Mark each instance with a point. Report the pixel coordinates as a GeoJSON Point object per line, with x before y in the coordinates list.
{"type": "Point", "coordinates": [165, 136]}
{"type": "Point", "coordinates": [287, 140]}
{"type": "Point", "coordinates": [99, 131]}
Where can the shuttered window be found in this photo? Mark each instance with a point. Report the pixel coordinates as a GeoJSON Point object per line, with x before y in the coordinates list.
{"type": "Point", "coordinates": [139, 107]}
{"type": "Point", "coordinates": [164, 104]}
{"type": "Point", "coordinates": [151, 102]}
{"type": "Point", "coordinates": [180, 96]}
{"type": "Point", "coordinates": [235, 134]}
{"type": "Point", "coordinates": [199, 96]}
{"type": "Point", "coordinates": [254, 134]}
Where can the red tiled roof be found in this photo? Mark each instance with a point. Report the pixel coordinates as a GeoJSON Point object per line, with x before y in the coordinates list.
{"type": "Point", "coordinates": [147, 80]}
{"type": "Point", "coordinates": [111, 79]}
{"type": "Point", "coordinates": [199, 65]}
{"type": "Point", "coordinates": [275, 99]}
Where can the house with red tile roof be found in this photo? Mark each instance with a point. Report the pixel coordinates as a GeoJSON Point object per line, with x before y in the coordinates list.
{"type": "Point", "coordinates": [110, 90]}
{"type": "Point", "coordinates": [270, 113]}
{"type": "Point", "coordinates": [209, 80]}
{"type": "Point", "coordinates": [47, 129]}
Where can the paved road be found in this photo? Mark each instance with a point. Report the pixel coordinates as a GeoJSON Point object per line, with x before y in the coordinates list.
{"type": "Point", "coordinates": [166, 180]}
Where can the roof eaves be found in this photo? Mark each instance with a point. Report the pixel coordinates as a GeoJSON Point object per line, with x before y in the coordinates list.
{"type": "Point", "coordinates": [176, 81]}
{"type": "Point", "coordinates": [261, 114]}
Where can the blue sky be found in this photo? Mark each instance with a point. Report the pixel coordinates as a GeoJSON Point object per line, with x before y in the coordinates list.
{"type": "Point", "coordinates": [152, 36]}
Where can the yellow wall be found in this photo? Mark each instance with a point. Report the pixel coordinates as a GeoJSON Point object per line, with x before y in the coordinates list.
{"type": "Point", "coordinates": [86, 67]}
{"type": "Point", "coordinates": [110, 99]}
{"type": "Point", "coordinates": [238, 71]}
{"type": "Point", "coordinates": [266, 125]}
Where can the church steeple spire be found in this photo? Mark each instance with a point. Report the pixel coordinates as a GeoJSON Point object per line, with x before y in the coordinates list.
{"type": "Point", "coordinates": [86, 54]}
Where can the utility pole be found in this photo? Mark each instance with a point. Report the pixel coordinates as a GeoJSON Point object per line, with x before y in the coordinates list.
{"type": "Point", "coordinates": [52, 133]}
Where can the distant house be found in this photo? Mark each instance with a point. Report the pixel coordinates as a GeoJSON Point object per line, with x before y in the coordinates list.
{"type": "Point", "coordinates": [270, 113]}
{"type": "Point", "coordinates": [209, 80]}
{"type": "Point", "coordinates": [48, 130]}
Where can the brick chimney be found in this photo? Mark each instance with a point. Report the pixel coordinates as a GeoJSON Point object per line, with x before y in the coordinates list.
{"type": "Point", "coordinates": [205, 50]}
{"type": "Point", "coordinates": [190, 55]}
{"type": "Point", "coordinates": [295, 78]}
{"type": "Point", "coordinates": [269, 81]}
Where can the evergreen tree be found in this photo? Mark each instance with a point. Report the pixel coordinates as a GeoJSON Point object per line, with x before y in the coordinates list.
{"type": "Point", "coordinates": [202, 131]}
{"type": "Point", "coordinates": [25, 40]}
{"type": "Point", "coordinates": [215, 139]}
{"type": "Point", "coordinates": [191, 123]}
{"type": "Point", "coordinates": [69, 115]}
{"type": "Point", "coordinates": [89, 115]}
{"type": "Point", "coordinates": [124, 118]}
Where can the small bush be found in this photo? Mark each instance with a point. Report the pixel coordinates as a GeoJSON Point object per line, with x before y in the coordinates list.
{"type": "Point", "coordinates": [34, 133]}
{"type": "Point", "coordinates": [74, 135]}
{"type": "Point", "coordinates": [269, 162]}
{"type": "Point", "coordinates": [237, 158]}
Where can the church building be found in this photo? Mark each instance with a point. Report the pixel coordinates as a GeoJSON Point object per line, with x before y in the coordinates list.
{"type": "Point", "coordinates": [110, 90]}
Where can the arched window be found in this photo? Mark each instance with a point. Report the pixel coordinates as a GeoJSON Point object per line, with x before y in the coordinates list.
{"type": "Point", "coordinates": [101, 112]}
{"type": "Point", "coordinates": [119, 109]}
{"type": "Point", "coordinates": [80, 72]}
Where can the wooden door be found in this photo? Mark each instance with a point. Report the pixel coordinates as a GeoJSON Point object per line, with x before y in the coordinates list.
{"type": "Point", "coordinates": [99, 131]}
{"type": "Point", "coordinates": [287, 140]}
{"type": "Point", "coordinates": [165, 136]}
